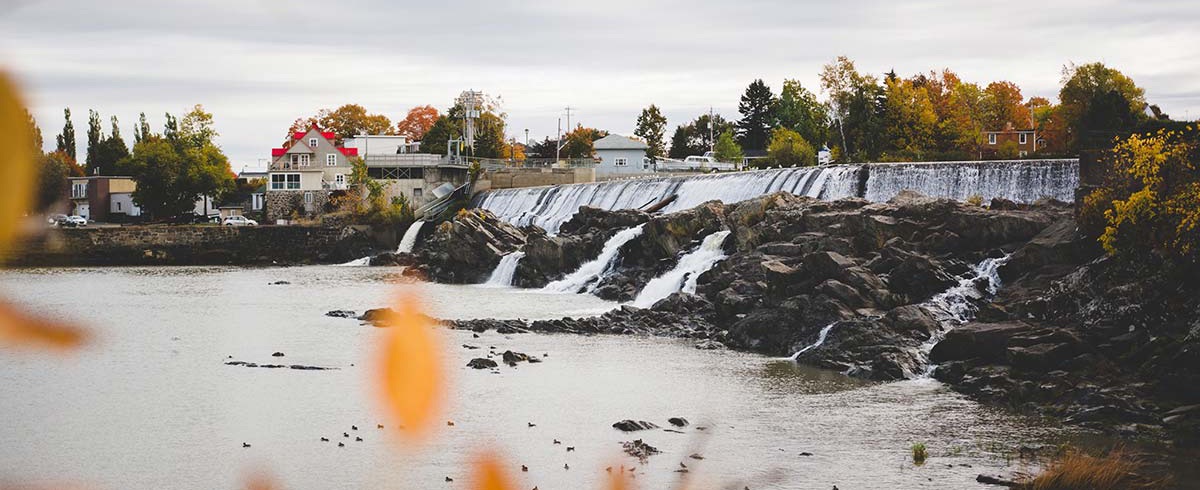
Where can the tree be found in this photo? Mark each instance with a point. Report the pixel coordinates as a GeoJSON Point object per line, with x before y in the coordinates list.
{"type": "Point", "coordinates": [696, 137]}
{"type": "Point", "coordinates": [109, 153]}
{"type": "Point", "coordinates": [909, 119]}
{"type": "Point", "coordinates": [541, 149]}
{"type": "Point", "coordinates": [94, 135]}
{"type": "Point", "coordinates": [726, 149]}
{"type": "Point", "coordinates": [35, 133]}
{"type": "Point", "coordinates": [857, 103]}
{"type": "Point", "coordinates": [52, 185]}
{"type": "Point", "coordinates": [1098, 102]}
{"type": "Point", "coordinates": [579, 142]}
{"type": "Point", "coordinates": [171, 129]}
{"type": "Point", "coordinates": [443, 130]}
{"type": "Point", "coordinates": [142, 131]}
{"type": "Point", "coordinates": [196, 128]}
{"type": "Point", "coordinates": [965, 124]}
{"type": "Point", "coordinates": [489, 136]}
{"type": "Point", "coordinates": [800, 111]}
{"type": "Point", "coordinates": [757, 108]}
{"type": "Point", "coordinates": [353, 119]}
{"type": "Point", "coordinates": [418, 122]}
{"type": "Point", "coordinates": [172, 176]}
{"type": "Point", "coordinates": [65, 141]}
{"type": "Point", "coordinates": [651, 128]}
{"type": "Point", "coordinates": [788, 149]}
{"type": "Point", "coordinates": [1003, 104]}
{"type": "Point", "coordinates": [680, 142]}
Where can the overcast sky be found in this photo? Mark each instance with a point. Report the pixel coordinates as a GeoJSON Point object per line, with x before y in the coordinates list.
{"type": "Point", "coordinates": [259, 64]}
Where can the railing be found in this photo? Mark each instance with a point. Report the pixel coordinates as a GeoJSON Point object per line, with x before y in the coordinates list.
{"type": "Point", "coordinates": [497, 164]}
{"type": "Point", "coordinates": [409, 160]}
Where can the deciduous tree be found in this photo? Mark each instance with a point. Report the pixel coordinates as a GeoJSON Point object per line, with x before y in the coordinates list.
{"type": "Point", "coordinates": [1003, 104]}
{"type": "Point", "coordinates": [788, 149]}
{"type": "Point", "coordinates": [910, 120]}
{"type": "Point", "coordinates": [65, 141]}
{"type": "Point", "coordinates": [418, 122]}
{"type": "Point", "coordinates": [353, 119]}
{"type": "Point", "coordinates": [1097, 102]}
{"type": "Point", "coordinates": [94, 135]}
{"type": "Point", "coordinates": [651, 128]}
{"type": "Point", "coordinates": [800, 111]}
{"type": "Point", "coordinates": [727, 149]}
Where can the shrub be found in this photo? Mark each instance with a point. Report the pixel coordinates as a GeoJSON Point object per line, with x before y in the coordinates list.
{"type": "Point", "coordinates": [1151, 199]}
{"type": "Point", "coordinates": [975, 200]}
{"type": "Point", "coordinates": [788, 149]}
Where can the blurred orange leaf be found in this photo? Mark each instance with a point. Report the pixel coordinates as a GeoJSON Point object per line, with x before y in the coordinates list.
{"type": "Point", "coordinates": [412, 381]}
{"type": "Point", "coordinates": [490, 474]}
{"type": "Point", "coordinates": [16, 163]}
{"type": "Point", "coordinates": [19, 329]}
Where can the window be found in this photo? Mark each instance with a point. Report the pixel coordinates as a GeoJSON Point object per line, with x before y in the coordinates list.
{"type": "Point", "coordinates": [118, 206]}
{"type": "Point", "coordinates": [339, 179]}
{"type": "Point", "coordinates": [1024, 138]}
{"type": "Point", "coordinates": [308, 198]}
{"type": "Point", "coordinates": [417, 193]}
{"type": "Point", "coordinates": [78, 190]}
{"type": "Point", "coordinates": [991, 138]}
{"type": "Point", "coordinates": [620, 162]}
{"type": "Point", "coordinates": [312, 142]}
{"type": "Point", "coordinates": [330, 160]}
{"type": "Point", "coordinates": [301, 159]}
{"type": "Point", "coordinates": [256, 202]}
{"type": "Point", "coordinates": [1023, 154]}
{"type": "Point", "coordinates": [285, 181]}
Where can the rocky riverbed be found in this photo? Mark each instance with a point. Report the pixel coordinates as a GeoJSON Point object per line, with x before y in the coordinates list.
{"type": "Point", "coordinates": [1005, 302]}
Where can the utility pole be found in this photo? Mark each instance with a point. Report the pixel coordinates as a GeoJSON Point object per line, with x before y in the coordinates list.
{"type": "Point", "coordinates": [558, 141]}
{"type": "Point", "coordinates": [568, 109]}
{"type": "Point", "coordinates": [526, 138]}
{"type": "Point", "coordinates": [712, 143]}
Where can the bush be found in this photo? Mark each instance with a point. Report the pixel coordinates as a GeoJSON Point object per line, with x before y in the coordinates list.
{"type": "Point", "coordinates": [919, 453]}
{"type": "Point", "coordinates": [1151, 200]}
{"type": "Point", "coordinates": [975, 200]}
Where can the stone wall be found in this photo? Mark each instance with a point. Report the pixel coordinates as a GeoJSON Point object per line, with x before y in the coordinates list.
{"type": "Point", "coordinates": [194, 245]}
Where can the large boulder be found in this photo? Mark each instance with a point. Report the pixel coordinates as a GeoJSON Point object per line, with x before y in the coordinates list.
{"type": "Point", "coordinates": [467, 248]}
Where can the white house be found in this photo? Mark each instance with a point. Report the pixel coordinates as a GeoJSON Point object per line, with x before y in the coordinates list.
{"type": "Point", "coordinates": [621, 156]}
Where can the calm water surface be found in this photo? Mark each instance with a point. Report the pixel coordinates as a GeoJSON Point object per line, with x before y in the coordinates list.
{"type": "Point", "coordinates": [150, 404]}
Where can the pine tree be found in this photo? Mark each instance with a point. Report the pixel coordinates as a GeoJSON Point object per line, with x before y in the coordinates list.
{"type": "Point", "coordinates": [758, 116]}
{"type": "Point", "coordinates": [65, 142]}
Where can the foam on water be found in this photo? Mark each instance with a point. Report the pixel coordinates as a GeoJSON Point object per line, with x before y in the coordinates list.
{"type": "Point", "coordinates": [683, 276]}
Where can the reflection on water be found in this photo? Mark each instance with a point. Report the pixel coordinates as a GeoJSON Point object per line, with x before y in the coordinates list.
{"type": "Point", "coordinates": [151, 404]}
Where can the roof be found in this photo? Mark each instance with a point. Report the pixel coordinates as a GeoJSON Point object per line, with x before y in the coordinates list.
{"type": "Point", "coordinates": [278, 151]}
{"type": "Point", "coordinates": [618, 142]}
{"type": "Point", "coordinates": [350, 152]}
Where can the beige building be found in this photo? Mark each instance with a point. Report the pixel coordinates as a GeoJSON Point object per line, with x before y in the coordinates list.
{"type": "Point", "coordinates": [304, 172]}
{"type": "Point", "coordinates": [104, 198]}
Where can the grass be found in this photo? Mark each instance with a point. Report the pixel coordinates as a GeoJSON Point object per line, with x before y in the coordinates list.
{"type": "Point", "coordinates": [1077, 470]}
{"type": "Point", "coordinates": [919, 453]}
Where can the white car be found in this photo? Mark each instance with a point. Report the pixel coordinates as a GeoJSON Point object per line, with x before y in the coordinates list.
{"type": "Point", "coordinates": [75, 221]}
{"type": "Point", "coordinates": [238, 221]}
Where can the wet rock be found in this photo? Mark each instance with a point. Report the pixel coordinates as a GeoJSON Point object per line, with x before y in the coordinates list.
{"type": "Point", "coordinates": [278, 283]}
{"type": "Point", "coordinates": [482, 325]}
{"type": "Point", "coordinates": [467, 248]}
{"type": "Point", "coordinates": [512, 358]}
{"type": "Point", "coordinates": [986, 341]}
{"type": "Point", "coordinates": [633, 425]}
{"type": "Point", "coordinates": [639, 449]}
{"type": "Point", "coordinates": [341, 313]}
{"type": "Point", "coordinates": [376, 314]}
{"type": "Point", "coordinates": [996, 480]}
{"type": "Point", "coordinates": [678, 421]}
{"type": "Point", "coordinates": [481, 363]}
{"type": "Point", "coordinates": [277, 354]}
{"type": "Point", "coordinates": [709, 344]}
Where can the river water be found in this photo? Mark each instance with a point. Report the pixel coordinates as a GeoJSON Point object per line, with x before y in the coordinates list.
{"type": "Point", "coordinates": [148, 403]}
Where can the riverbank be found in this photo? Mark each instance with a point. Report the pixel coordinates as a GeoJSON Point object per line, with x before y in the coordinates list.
{"type": "Point", "coordinates": [1006, 303]}
{"type": "Point", "coordinates": [193, 245]}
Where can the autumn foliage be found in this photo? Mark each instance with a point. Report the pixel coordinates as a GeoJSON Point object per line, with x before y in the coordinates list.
{"type": "Point", "coordinates": [418, 122]}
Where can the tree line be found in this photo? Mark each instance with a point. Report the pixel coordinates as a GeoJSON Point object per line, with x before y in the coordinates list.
{"type": "Point", "coordinates": [924, 117]}
{"type": "Point", "coordinates": [173, 168]}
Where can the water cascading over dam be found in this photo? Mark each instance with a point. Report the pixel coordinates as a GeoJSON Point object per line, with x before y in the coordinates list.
{"type": "Point", "coordinates": [1020, 181]}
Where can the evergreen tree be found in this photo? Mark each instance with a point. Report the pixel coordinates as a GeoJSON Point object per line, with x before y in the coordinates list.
{"type": "Point", "coordinates": [757, 108]}
{"type": "Point", "coordinates": [65, 142]}
{"type": "Point", "coordinates": [680, 148]}
{"type": "Point", "coordinates": [94, 135]}
{"type": "Point", "coordinates": [651, 128]}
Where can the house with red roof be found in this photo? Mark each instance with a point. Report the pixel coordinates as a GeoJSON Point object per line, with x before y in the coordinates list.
{"type": "Point", "coordinates": [304, 172]}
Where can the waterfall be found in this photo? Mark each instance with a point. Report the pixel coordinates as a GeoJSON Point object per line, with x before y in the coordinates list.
{"type": "Point", "coordinates": [503, 275]}
{"type": "Point", "coordinates": [410, 237]}
{"type": "Point", "coordinates": [365, 261]}
{"type": "Point", "coordinates": [957, 305]}
{"type": "Point", "coordinates": [820, 340]}
{"type": "Point", "coordinates": [1019, 180]}
{"type": "Point", "coordinates": [591, 272]}
{"type": "Point", "coordinates": [550, 207]}
{"type": "Point", "coordinates": [683, 276]}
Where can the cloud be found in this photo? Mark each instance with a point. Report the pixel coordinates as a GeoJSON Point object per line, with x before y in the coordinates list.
{"type": "Point", "coordinates": [258, 64]}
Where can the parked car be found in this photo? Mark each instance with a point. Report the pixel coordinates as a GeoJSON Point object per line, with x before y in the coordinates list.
{"type": "Point", "coordinates": [74, 221]}
{"type": "Point", "coordinates": [56, 219]}
{"type": "Point", "coordinates": [239, 221]}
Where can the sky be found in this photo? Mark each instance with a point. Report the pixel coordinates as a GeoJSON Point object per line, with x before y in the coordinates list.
{"type": "Point", "coordinates": [257, 65]}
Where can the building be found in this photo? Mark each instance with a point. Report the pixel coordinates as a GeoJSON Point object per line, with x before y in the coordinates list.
{"type": "Point", "coordinates": [1026, 141]}
{"type": "Point", "coordinates": [621, 156]}
{"type": "Point", "coordinates": [104, 198]}
{"type": "Point", "coordinates": [378, 144]}
{"type": "Point", "coordinates": [304, 172]}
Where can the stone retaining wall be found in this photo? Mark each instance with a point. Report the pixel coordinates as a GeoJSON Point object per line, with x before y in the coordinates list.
{"type": "Point", "coordinates": [193, 245]}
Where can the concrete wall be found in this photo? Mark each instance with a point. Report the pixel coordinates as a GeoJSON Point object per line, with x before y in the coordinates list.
{"type": "Point", "coordinates": [510, 178]}
{"type": "Point", "coordinates": [193, 245]}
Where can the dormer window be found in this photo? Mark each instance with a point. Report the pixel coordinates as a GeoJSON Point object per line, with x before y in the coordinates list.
{"type": "Point", "coordinates": [312, 142]}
